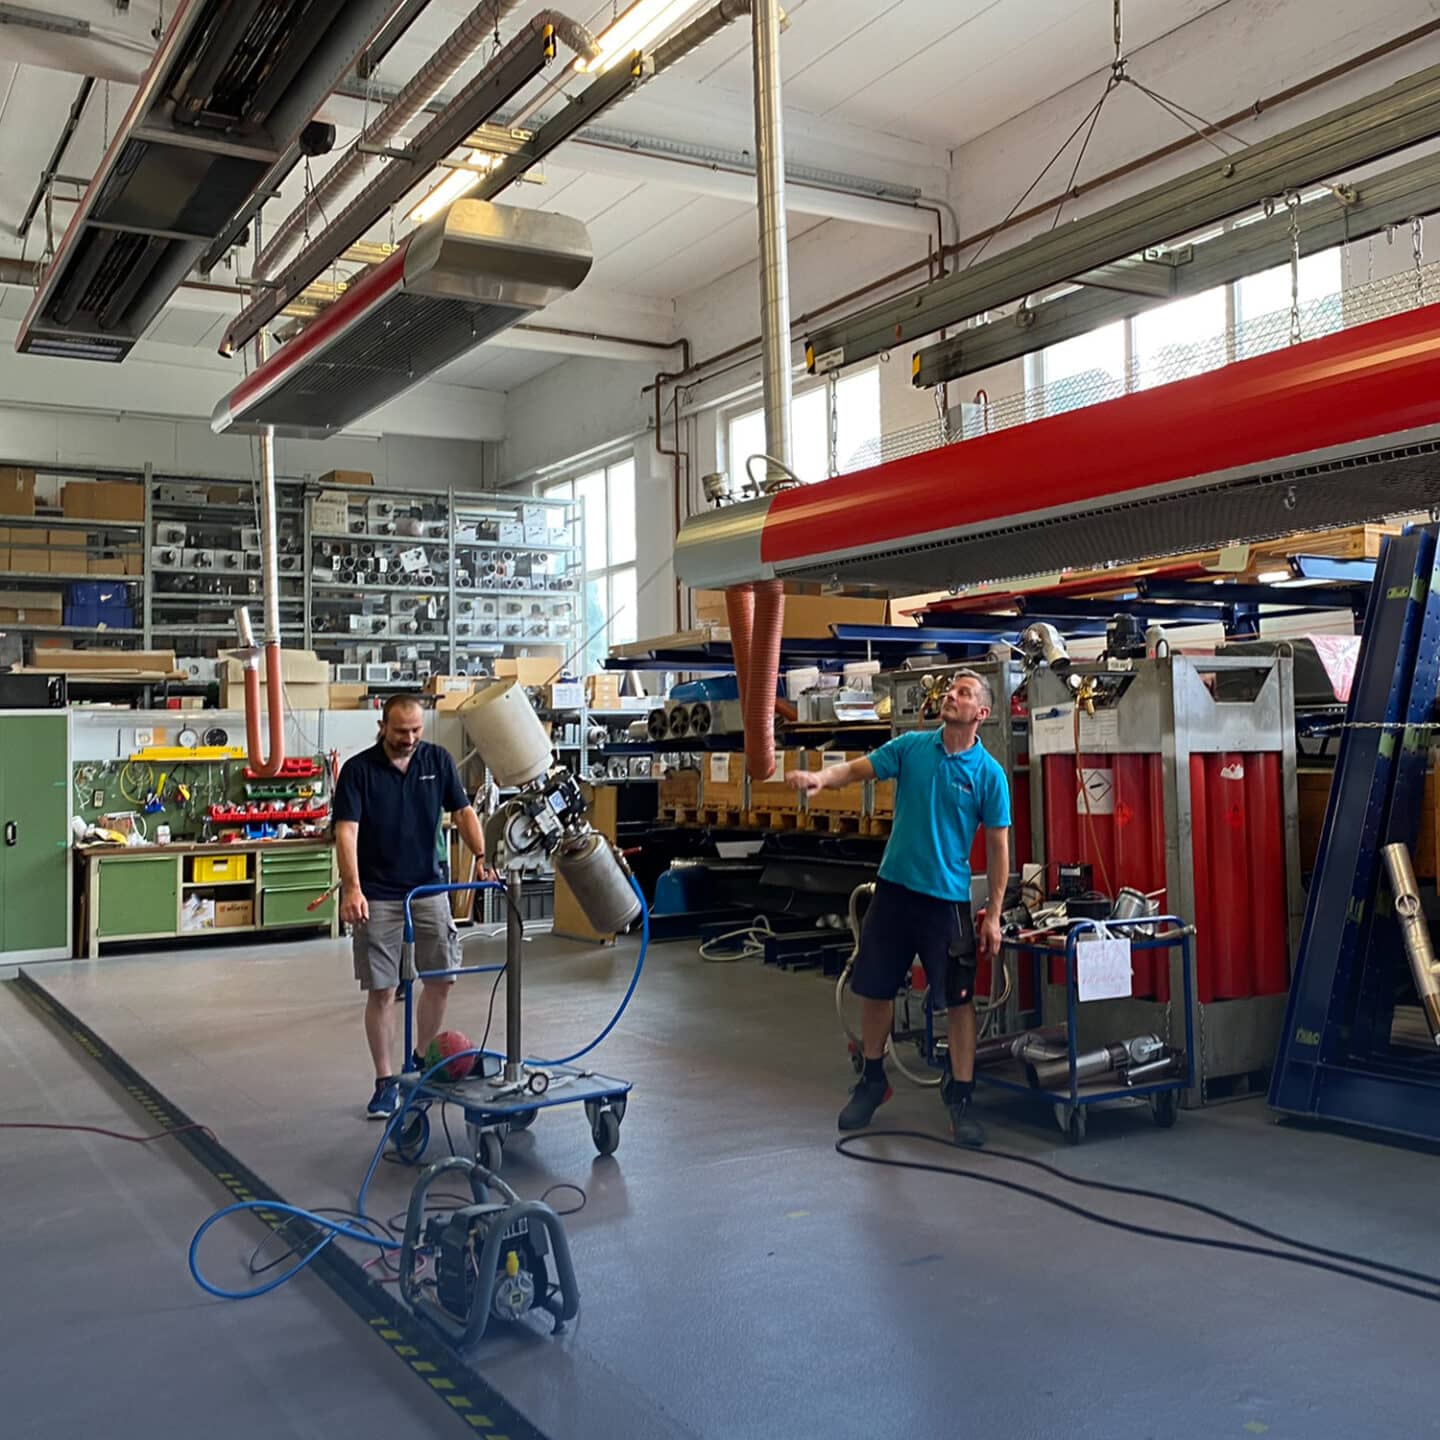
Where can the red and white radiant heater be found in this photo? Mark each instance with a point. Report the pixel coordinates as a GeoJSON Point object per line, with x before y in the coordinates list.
{"type": "Point", "coordinates": [1336, 431]}
{"type": "Point", "coordinates": [450, 286]}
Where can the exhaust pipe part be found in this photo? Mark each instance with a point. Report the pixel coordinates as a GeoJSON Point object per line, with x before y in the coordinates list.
{"type": "Point", "coordinates": [1415, 932]}
{"type": "Point", "coordinates": [1055, 1074]}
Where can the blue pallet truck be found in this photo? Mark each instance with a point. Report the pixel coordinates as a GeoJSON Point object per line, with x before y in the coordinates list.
{"type": "Point", "coordinates": [506, 1092]}
{"type": "Point", "coordinates": [1342, 1056]}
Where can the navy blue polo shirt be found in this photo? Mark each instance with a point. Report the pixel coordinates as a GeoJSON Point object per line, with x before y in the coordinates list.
{"type": "Point", "coordinates": [398, 815]}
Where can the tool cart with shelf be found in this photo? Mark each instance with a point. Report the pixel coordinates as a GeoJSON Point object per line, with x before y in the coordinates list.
{"type": "Point", "coordinates": [1157, 1074]}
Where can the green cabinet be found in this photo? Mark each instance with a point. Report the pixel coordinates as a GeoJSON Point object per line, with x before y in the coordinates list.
{"type": "Point", "coordinates": [290, 881]}
{"type": "Point", "coordinates": [139, 897]}
{"type": "Point", "coordinates": [34, 832]}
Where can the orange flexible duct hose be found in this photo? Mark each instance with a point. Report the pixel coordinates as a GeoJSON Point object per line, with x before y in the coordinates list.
{"type": "Point", "coordinates": [275, 702]}
{"type": "Point", "coordinates": [762, 675]}
{"type": "Point", "coordinates": [740, 612]}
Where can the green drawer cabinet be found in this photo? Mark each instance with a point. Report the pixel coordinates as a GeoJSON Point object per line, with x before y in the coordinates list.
{"type": "Point", "coordinates": [34, 832]}
{"type": "Point", "coordinates": [139, 897]}
{"type": "Point", "coordinates": [289, 881]}
{"type": "Point", "coordinates": [290, 907]}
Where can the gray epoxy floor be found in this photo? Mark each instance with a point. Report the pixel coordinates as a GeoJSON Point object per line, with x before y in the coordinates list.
{"type": "Point", "coordinates": [739, 1279]}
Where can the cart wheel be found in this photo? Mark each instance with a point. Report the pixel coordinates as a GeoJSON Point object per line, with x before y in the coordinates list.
{"type": "Point", "coordinates": [412, 1137]}
{"type": "Point", "coordinates": [523, 1120]}
{"type": "Point", "coordinates": [1075, 1130]}
{"type": "Point", "coordinates": [606, 1131]}
{"type": "Point", "coordinates": [492, 1152]}
{"type": "Point", "coordinates": [1165, 1107]}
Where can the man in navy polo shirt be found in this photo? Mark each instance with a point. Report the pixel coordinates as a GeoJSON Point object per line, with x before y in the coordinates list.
{"type": "Point", "coordinates": [387, 839]}
{"type": "Point", "coordinates": [946, 786]}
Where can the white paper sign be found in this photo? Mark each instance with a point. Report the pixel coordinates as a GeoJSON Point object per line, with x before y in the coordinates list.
{"type": "Point", "coordinates": [1098, 797]}
{"type": "Point", "coordinates": [1053, 731]}
{"type": "Point", "coordinates": [1102, 969]}
{"type": "Point", "coordinates": [720, 766]}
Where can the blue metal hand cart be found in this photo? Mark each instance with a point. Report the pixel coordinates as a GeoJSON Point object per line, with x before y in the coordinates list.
{"type": "Point", "coordinates": [1061, 1079]}
{"type": "Point", "coordinates": [506, 1092]}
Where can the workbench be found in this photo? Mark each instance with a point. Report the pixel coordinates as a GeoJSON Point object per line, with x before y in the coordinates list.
{"type": "Point", "coordinates": [139, 893]}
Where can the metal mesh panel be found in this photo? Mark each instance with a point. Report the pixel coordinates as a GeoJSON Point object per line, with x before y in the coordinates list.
{"type": "Point", "coordinates": [1258, 335]}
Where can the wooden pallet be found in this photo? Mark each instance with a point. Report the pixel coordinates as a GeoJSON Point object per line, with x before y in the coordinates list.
{"type": "Point", "coordinates": [680, 815]}
{"type": "Point", "coordinates": [721, 817]}
{"type": "Point", "coordinates": [875, 825]}
{"type": "Point", "coordinates": [830, 822]}
{"type": "Point", "coordinates": [773, 819]}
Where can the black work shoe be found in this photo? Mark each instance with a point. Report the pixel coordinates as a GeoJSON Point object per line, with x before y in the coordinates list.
{"type": "Point", "coordinates": [965, 1129]}
{"type": "Point", "coordinates": [865, 1099]}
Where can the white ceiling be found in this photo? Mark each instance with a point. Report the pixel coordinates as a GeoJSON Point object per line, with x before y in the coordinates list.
{"type": "Point", "coordinates": [882, 89]}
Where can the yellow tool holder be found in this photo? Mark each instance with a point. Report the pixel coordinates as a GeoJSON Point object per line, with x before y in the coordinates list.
{"type": "Point", "coordinates": [172, 753]}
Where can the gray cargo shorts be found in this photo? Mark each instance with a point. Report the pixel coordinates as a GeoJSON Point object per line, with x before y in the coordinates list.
{"type": "Point", "coordinates": [378, 944]}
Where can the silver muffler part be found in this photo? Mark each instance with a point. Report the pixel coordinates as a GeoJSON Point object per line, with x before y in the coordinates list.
{"type": "Point", "coordinates": [599, 881]}
{"type": "Point", "coordinates": [1415, 932]}
{"type": "Point", "coordinates": [1054, 1074]}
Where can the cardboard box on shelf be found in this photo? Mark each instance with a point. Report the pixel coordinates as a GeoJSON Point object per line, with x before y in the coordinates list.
{"type": "Point", "coordinates": [102, 500]}
{"type": "Point", "coordinates": [104, 565]}
{"type": "Point", "coordinates": [227, 494]}
{"type": "Point", "coordinates": [297, 667]}
{"type": "Point", "coordinates": [723, 780]}
{"type": "Point", "coordinates": [564, 695]}
{"type": "Point", "coordinates": [330, 517]}
{"type": "Point", "coordinates": [602, 691]}
{"type": "Point", "coordinates": [67, 551]}
{"type": "Point", "coordinates": [17, 491]}
{"type": "Point", "coordinates": [300, 696]}
{"type": "Point", "coordinates": [31, 607]}
{"type": "Point", "coordinates": [5, 549]}
{"type": "Point", "coordinates": [807, 617]}
{"type": "Point", "coordinates": [343, 479]}
{"type": "Point", "coordinates": [134, 562]}
{"type": "Point", "coordinates": [680, 788]}
{"type": "Point", "coordinates": [849, 799]}
{"type": "Point", "coordinates": [528, 669]}
{"type": "Point", "coordinates": [349, 697]}
{"type": "Point", "coordinates": [229, 913]}
{"type": "Point", "coordinates": [774, 794]}
{"type": "Point", "coordinates": [449, 684]}
{"type": "Point", "coordinates": [29, 551]}
{"type": "Point", "coordinates": [147, 662]}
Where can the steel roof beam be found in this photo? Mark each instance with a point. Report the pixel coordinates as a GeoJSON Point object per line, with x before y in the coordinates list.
{"type": "Point", "coordinates": [1364, 131]}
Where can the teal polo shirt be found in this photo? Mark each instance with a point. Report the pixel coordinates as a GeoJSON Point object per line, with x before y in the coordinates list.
{"type": "Point", "coordinates": [940, 801]}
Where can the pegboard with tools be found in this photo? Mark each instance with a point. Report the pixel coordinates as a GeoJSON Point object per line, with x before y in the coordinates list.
{"type": "Point", "coordinates": [158, 792]}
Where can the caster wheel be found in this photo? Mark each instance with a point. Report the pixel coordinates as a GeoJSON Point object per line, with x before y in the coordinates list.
{"type": "Point", "coordinates": [607, 1132]}
{"type": "Point", "coordinates": [1165, 1107]}
{"type": "Point", "coordinates": [524, 1120]}
{"type": "Point", "coordinates": [492, 1153]}
{"type": "Point", "coordinates": [412, 1137]}
{"type": "Point", "coordinates": [1075, 1130]}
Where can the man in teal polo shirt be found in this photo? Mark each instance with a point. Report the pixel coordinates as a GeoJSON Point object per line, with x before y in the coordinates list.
{"type": "Point", "coordinates": [946, 786]}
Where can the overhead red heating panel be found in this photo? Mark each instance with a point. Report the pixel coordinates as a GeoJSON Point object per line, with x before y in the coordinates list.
{"type": "Point", "coordinates": [451, 285]}
{"type": "Point", "coordinates": [1338, 430]}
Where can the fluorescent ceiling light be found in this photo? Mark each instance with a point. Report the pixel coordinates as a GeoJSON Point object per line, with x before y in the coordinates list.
{"type": "Point", "coordinates": [644, 22]}
{"type": "Point", "coordinates": [460, 181]}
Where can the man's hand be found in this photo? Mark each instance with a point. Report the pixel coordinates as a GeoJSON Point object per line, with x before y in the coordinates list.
{"type": "Point", "coordinates": [988, 938]}
{"type": "Point", "coordinates": [354, 907]}
{"type": "Point", "coordinates": [806, 781]}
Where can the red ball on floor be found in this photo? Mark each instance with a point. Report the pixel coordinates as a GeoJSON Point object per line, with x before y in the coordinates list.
{"type": "Point", "coordinates": [446, 1043]}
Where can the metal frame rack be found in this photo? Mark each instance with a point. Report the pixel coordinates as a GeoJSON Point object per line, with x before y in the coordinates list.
{"type": "Point", "coordinates": [1344, 1054]}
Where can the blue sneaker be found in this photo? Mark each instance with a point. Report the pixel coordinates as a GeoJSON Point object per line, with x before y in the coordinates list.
{"type": "Point", "coordinates": [385, 1101]}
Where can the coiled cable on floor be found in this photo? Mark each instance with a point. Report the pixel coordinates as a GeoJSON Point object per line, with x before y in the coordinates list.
{"type": "Point", "coordinates": [1314, 1257]}
{"type": "Point", "coordinates": [719, 950]}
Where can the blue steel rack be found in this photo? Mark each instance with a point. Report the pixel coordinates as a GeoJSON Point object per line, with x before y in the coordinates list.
{"type": "Point", "coordinates": [1336, 1060]}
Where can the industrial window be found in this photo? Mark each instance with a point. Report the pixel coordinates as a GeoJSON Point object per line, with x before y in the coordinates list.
{"type": "Point", "coordinates": [607, 496]}
{"type": "Point", "coordinates": [1177, 340]}
{"type": "Point", "coordinates": [1187, 337]}
{"type": "Point", "coordinates": [823, 443]}
{"type": "Point", "coordinates": [1084, 370]}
